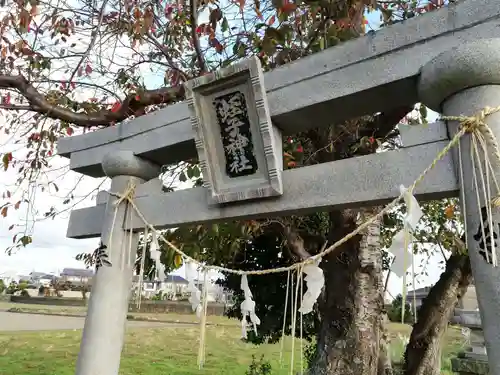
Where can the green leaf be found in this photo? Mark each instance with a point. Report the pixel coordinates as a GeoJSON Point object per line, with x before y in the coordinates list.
{"type": "Point", "coordinates": [225, 25]}
{"type": "Point", "coordinates": [321, 44]}
{"type": "Point", "coordinates": [25, 240]}
{"type": "Point", "coordinates": [196, 171]}
{"type": "Point", "coordinates": [423, 113]}
{"type": "Point", "coordinates": [182, 177]}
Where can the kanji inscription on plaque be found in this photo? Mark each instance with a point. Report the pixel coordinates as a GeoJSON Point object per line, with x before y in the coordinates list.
{"type": "Point", "coordinates": [236, 134]}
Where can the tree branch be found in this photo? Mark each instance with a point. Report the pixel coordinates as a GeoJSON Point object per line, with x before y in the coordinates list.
{"type": "Point", "coordinates": [130, 105]}
{"type": "Point", "coordinates": [383, 123]}
{"type": "Point", "coordinates": [296, 243]}
{"type": "Point", "coordinates": [196, 41]}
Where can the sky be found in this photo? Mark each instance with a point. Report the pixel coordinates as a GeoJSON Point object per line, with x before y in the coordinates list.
{"type": "Point", "coordinates": [51, 251]}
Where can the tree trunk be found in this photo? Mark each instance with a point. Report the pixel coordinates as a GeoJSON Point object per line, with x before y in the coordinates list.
{"type": "Point", "coordinates": [423, 352]}
{"type": "Point", "coordinates": [351, 304]}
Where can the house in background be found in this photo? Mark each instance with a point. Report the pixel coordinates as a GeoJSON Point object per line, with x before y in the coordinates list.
{"type": "Point", "coordinates": [77, 276]}
{"type": "Point", "coordinates": [172, 286]}
{"type": "Point", "coordinates": [175, 286]}
{"type": "Point", "coordinates": [467, 302]}
{"type": "Point", "coordinates": [38, 278]}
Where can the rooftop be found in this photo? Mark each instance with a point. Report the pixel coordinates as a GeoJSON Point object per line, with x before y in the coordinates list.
{"type": "Point", "coordinates": [77, 272]}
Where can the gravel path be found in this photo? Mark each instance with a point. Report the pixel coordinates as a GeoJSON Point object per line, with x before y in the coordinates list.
{"type": "Point", "coordinates": [36, 322]}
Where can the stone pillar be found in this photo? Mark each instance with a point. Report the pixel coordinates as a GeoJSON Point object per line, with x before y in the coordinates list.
{"type": "Point", "coordinates": [103, 335]}
{"type": "Point", "coordinates": [474, 360]}
{"type": "Point", "coordinates": [463, 81]}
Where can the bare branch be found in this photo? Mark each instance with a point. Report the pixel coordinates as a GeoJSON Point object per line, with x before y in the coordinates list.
{"type": "Point", "coordinates": [130, 106]}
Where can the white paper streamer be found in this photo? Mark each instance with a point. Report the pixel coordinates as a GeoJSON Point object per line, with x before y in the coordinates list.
{"type": "Point", "coordinates": [414, 211]}
{"type": "Point", "coordinates": [155, 255]}
{"type": "Point", "coordinates": [403, 259]}
{"type": "Point", "coordinates": [194, 293]}
{"type": "Point", "coordinates": [315, 280]}
{"type": "Point", "coordinates": [247, 308]}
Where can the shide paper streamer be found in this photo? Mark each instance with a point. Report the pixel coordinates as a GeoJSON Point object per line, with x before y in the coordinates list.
{"type": "Point", "coordinates": [247, 308]}
{"type": "Point", "coordinates": [155, 255]}
{"type": "Point", "coordinates": [194, 293]}
{"type": "Point", "coordinates": [315, 280]}
{"type": "Point", "coordinates": [403, 238]}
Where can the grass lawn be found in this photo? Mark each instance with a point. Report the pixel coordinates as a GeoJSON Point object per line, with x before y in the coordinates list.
{"type": "Point", "coordinates": [155, 351]}
{"type": "Point", "coordinates": [169, 351]}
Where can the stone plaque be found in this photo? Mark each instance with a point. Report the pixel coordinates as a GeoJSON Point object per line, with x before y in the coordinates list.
{"type": "Point", "coordinates": [240, 151]}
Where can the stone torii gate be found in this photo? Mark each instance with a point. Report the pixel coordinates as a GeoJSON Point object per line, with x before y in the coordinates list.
{"type": "Point", "coordinates": [447, 59]}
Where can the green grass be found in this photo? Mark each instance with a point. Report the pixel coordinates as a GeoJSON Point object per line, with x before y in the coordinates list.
{"type": "Point", "coordinates": [154, 351]}
{"type": "Point", "coordinates": [171, 351]}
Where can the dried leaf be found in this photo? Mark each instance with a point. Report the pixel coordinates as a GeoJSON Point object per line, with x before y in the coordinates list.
{"type": "Point", "coordinates": [449, 212]}
{"type": "Point", "coordinates": [4, 211]}
{"type": "Point", "coordinates": [215, 16]}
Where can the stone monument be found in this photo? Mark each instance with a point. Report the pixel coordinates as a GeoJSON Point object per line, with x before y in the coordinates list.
{"type": "Point", "coordinates": [474, 360]}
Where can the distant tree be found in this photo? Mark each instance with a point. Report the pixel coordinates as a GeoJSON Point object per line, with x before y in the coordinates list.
{"type": "Point", "coordinates": [395, 311]}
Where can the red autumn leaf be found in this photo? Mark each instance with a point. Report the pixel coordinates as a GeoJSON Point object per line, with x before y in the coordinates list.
{"type": "Point", "coordinates": [241, 3]}
{"type": "Point", "coordinates": [49, 153]}
{"type": "Point", "coordinates": [69, 131]}
{"type": "Point", "coordinates": [288, 7]}
{"type": "Point", "coordinates": [6, 99]}
{"type": "Point", "coordinates": [9, 156]}
{"type": "Point", "coordinates": [88, 69]}
{"type": "Point", "coordinates": [73, 85]}
{"type": "Point", "coordinates": [199, 30]}
{"type": "Point", "coordinates": [371, 140]}
{"type": "Point", "coordinates": [116, 107]}
{"type": "Point", "coordinates": [291, 164]}
{"type": "Point", "coordinates": [271, 20]}
{"type": "Point", "coordinates": [300, 148]}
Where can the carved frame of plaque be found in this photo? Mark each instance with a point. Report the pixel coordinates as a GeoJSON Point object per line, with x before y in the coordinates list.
{"type": "Point", "coordinates": [245, 80]}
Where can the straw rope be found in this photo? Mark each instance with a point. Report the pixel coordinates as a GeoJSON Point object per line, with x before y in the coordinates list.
{"type": "Point", "coordinates": [474, 125]}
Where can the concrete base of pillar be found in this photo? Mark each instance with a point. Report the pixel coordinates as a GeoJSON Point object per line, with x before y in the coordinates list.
{"type": "Point", "coordinates": [469, 366]}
